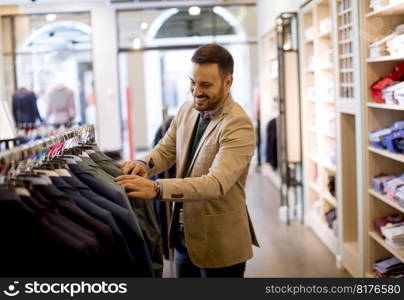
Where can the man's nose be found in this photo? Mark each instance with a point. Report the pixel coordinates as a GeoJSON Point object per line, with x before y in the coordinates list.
{"type": "Point", "coordinates": [196, 92]}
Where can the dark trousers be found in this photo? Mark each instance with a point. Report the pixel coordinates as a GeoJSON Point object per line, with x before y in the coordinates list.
{"type": "Point", "coordinates": [184, 268]}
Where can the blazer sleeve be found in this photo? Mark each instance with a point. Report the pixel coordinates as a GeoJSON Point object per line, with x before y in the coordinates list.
{"type": "Point", "coordinates": [236, 147]}
{"type": "Point", "coordinates": [163, 155]}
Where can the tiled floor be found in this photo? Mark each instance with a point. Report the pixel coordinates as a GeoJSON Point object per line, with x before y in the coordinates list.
{"type": "Point", "coordinates": [286, 251]}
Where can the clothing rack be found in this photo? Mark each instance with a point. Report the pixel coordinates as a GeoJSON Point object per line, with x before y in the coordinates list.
{"type": "Point", "coordinates": [19, 153]}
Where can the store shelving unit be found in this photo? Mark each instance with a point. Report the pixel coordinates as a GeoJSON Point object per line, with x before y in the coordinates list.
{"type": "Point", "coordinates": [318, 109]}
{"type": "Point", "coordinates": [379, 116]}
{"type": "Point", "coordinates": [349, 128]}
{"type": "Point", "coordinates": [269, 94]}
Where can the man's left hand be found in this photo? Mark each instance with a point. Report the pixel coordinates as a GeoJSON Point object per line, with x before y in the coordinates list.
{"type": "Point", "coordinates": [137, 186]}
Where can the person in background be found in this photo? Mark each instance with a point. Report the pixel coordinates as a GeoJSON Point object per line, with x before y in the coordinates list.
{"type": "Point", "coordinates": [212, 140]}
{"type": "Point", "coordinates": [60, 104]}
{"type": "Point", "coordinates": [24, 106]}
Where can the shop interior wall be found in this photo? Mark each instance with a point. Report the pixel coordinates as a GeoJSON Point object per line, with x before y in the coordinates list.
{"type": "Point", "coordinates": [104, 61]}
{"type": "Point", "coordinates": [136, 69]}
{"type": "Point", "coordinates": [4, 10]}
{"type": "Point", "coordinates": [267, 12]}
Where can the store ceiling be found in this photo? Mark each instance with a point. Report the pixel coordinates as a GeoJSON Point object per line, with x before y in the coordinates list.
{"type": "Point", "coordinates": [145, 2]}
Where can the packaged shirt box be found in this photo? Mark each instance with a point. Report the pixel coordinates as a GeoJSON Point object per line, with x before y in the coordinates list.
{"type": "Point", "coordinates": [391, 186]}
{"type": "Point", "coordinates": [378, 182]}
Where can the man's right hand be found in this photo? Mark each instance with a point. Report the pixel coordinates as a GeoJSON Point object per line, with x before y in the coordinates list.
{"type": "Point", "coordinates": [133, 168]}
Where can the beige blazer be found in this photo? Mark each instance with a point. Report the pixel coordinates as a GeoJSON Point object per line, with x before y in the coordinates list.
{"type": "Point", "coordinates": [218, 230]}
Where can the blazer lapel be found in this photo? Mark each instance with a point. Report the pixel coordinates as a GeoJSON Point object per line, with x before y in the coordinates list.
{"type": "Point", "coordinates": [186, 139]}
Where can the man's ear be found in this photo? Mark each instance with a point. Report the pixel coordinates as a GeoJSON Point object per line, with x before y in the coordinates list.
{"type": "Point", "coordinates": [228, 82]}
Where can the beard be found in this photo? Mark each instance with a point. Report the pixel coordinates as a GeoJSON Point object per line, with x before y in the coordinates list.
{"type": "Point", "coordinates": [206, 103]}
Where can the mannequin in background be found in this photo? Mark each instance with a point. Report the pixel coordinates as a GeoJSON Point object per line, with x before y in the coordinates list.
{"type": "Point", "coordinates": [25, 108]}
{"type": "Point", "coordinates": [60, 104]}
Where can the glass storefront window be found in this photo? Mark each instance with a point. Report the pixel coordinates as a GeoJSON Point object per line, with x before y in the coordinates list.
{"type": "Point", "coordinates": [155, 48]}
{"type": "Point", "coordinates": [51, 55]}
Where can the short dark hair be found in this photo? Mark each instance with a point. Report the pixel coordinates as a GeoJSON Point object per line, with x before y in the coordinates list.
{"type": "Point", "coordinates": [215, 54]}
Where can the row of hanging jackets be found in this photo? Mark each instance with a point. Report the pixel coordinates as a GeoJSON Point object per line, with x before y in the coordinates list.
{"type": "Point", "coordinates": [67, 217]}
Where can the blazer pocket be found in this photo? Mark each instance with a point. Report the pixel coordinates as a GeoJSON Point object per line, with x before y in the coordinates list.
{"type": "Point", "coordinates": [228, 232]}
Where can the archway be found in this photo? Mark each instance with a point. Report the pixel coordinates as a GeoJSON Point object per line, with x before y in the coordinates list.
{"type": "Point", "coordinates": [59, 52]}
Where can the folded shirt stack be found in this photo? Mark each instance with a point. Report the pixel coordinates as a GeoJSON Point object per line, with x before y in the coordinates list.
{"type": "Point", "coordinates": [331, 217]}
{"type": "Point", "coordinates": [311, 62]}
{"type": "Point", "coordinates": [391, 44]}
{"type": "Point", "coordinates": [390, 185]}
{"type": "Point", "coordinates": [400, 196]}
{"type": "Point", "coordinates": [389, 267]}
{"type": "Point", "coordinates": [325, 25]}
{"type": "Point", "coordinates": [394, 93]}
{"type": "Point", "coordinates": [394, 235]}
{"type": "Point", "coordinates": [379, 182]}
{"type": "Point", "coordinates": [391, 139]}
{"type": "Point", "coordinates": [380, 222]}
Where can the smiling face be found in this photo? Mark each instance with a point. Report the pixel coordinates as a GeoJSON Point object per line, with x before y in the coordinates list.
{"type": "Point", "coordinates": [209, 86]}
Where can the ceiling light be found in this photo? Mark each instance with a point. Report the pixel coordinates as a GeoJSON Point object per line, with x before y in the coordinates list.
{"type": "Point", "coordinates": [144, 25]}
{"type": "Point", "coordinates": [194, 10]}
{"type": "Point", "coordinates": [50, 17]}
{"type": "Point", "coordinates": [137, 43]}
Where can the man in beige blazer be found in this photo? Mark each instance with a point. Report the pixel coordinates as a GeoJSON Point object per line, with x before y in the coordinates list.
{"type": "Point", "coordinates": [211, 140]}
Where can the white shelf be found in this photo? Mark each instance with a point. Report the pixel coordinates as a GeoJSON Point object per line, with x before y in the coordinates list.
{"type": "Point", "coordinates": [386, 200]}
{"type": "Point", "coordinates": [326, 235]}
{"type": "Point", "coordinates": [384, 58]}
{"type": "Point", "coordinates": [345, 41]}
{"type": "Point", "coordinates": [385, 153]}
{"type": "Point", "coordinates": [318, 131]}
{"type": "Point", "coordinates": [326, 67]}
{"type": "Point", "coordinates": [385, 106]}
{"type": "Point", "coordinates": [397, 253]}
{"type": "Point", "coordinates": [346, 26]}
{"type": "Point", "coordinates": [325, 35]}
{"type": "Point", "coordinates": [315, 187]}
{"type": "Point", "coordinates": [388, 10]}
{"type": "Point", "coordinates": [330, 167]}
{"type": "Point", "coordinates": [313, 158]}
{"type": "Point", "coordinates": [328, 102]}
{"type": "Point", "coordinates": [312, 129]}
{"type": "Point", "coordinates": [329, 198]}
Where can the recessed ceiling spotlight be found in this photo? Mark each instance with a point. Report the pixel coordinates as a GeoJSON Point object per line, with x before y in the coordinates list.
{"type": "Point", "coordinates": [194, 10]}
{"type": "Point", "coordinates": [137, 43]}
{"type": "Point", "coordinates": [50, 17]}
{"type": "Point", "coordinates": [144, 25]}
